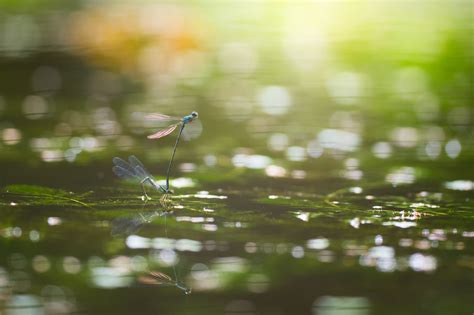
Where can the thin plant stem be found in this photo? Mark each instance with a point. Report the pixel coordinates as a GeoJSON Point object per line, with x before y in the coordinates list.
{"type": "Point", "coordinates": [172, 157]}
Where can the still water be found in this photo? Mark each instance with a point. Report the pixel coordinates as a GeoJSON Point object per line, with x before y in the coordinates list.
{"type": "Point", "coordinates": [330, 171]}
{"type": "Point", "coordinates": [246, 246]}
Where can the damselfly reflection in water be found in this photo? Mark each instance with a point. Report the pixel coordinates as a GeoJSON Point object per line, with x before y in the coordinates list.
{"type": "Point", "coordinates": [135, 169]}
{"type": "Point", "coordinates": [124, 226]}
{"type": "Point", "coordinates": [160, 278]}
{"type": "Point", "coordinates": [127, 225]}
{"type": "Point", "coordinates": [171, 124]}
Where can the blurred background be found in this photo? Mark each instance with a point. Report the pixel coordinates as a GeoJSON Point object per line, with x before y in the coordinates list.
{"type": "Point", "coordinates": [332, 173]}
{"type": "Point", "coordinates": [299, 84]}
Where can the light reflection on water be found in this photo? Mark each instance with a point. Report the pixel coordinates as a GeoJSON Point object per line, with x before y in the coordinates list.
{"type": "Point", "coordinates": [339, 305]}
{"type": "Point", "coordinates": [223, 268]}
{"type": "Point", "coordinates": [332, 143]}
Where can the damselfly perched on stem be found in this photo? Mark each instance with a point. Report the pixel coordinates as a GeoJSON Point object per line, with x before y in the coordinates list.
{"type": "Point", "coordinates": [172, 124]}
{"type": "Point", "coordinates": [134, 169]}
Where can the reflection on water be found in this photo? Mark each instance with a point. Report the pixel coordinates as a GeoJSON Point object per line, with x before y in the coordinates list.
{"type": "Point", "coordinates": [51, 300]}
{"type": "Point", "coordinates": [24, 304]}
{"type": "Point", "coordinates": [206, 245]}
{"type": "Point", "coordinates": [159, 278]}
{"type": "Point", "coordinates": [163, 253]}
{"type": "Point", "coordinates": [333, 305]}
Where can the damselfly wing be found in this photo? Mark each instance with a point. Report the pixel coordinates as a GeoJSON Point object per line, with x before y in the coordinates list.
{"type": "Point", "coordinates": [167, 124]}
{"type": "Point", "coordinates": [134, 169]}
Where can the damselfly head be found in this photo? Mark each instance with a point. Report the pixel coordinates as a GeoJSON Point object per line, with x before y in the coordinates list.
{"type": "Point", "coordinates": [194, 114]}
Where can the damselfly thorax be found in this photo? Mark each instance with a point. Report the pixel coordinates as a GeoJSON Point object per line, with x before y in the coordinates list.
{"type": "Point", "coordinates": [171, 123]}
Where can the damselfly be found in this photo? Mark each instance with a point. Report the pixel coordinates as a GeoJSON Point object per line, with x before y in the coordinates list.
{"type": "Point", "coordinates": [135, 169]}
{"type": "Point", "coordinates": [172, 124]}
